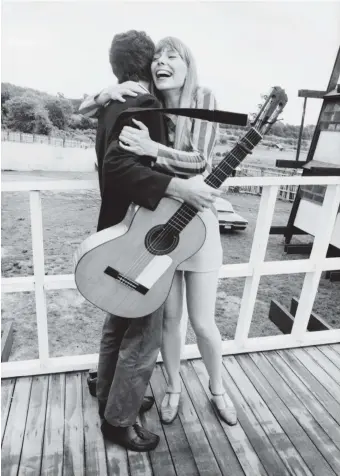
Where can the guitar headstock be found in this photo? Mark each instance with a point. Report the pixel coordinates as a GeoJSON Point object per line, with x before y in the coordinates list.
{"type": "Point", "coordinates": [270, 110]}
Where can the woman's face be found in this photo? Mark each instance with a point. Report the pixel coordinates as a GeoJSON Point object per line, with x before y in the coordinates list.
{"type": "Point", "coordinates": [168, 70]}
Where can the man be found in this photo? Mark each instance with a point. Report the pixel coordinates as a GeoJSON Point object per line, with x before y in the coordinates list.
{"type": "Point", "coordinates": [129, 347]}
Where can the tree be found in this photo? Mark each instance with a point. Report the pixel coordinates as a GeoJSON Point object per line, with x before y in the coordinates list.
{"type": "Point", "coordinates": [27, 114]}
{"type": "Point", "coordinates": [59, 111]}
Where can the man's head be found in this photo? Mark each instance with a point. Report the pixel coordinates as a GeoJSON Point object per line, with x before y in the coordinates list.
{"type": "Point", "coordinates": [131, 55]}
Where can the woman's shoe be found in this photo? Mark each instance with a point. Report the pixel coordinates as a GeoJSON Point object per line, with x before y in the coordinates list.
{"type": "Point", "coordinates": [228, 412]}
{"type": "Point", "coordinates": [169, 412]}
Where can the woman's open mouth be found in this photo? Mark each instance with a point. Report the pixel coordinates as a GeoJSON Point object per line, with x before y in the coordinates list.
{"type": "Point", "coordinates": [163, 74]}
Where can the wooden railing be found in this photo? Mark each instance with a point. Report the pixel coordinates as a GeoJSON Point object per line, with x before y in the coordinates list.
{"type": "Point", "coordinates": [252, 271]}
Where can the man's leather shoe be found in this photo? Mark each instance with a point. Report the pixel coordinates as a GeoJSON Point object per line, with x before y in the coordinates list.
{"type": "Point", "coordinates": [145, 406]}
{"type": "Point", "coordinates": [135, 437]}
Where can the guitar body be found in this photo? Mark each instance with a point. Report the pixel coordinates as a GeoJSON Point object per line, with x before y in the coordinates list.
{"type": "Point", "coordinates": [128, 270]}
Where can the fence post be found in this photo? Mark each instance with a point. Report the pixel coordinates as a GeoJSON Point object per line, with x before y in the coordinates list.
{"type": "Point", "coordinates": [257, 255]}
{"type": "Point", "coordinates": [39, 274]}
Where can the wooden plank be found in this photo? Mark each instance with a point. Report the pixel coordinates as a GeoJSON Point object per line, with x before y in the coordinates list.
{"type": "Point", "coordinates": [6, 340]}
{"type": "Point", "coordinates": [74, 426]}
{"type": "Point", "coordinates": [199, 444]}
{"type": "Point", "coordinates": [117, 460]}
{"type": "Point", "coordinates": [7, 389]}
{"type": "Point", "coordinates": [95, 455]}
{"type": "Point", "coordinates": [294, 408]}
{"type": "Point", "coordinates": [283, 445]}
{"type": "Point", "coordinates": [315, 323]}
{"type": "Point", "coordinates": [280, 316]}
{"type": "Point", "coordinates": [331, 353]}
{"type": "Point", "coordinates": [309, 401]}
{"type": "Point", "coordinates": [30, 461]}
{"type": "Point", "coordinates": [324, 362]}
{"type": "Point", "coordinates": [179, 447]}
{"type": "Point", "coordinates": [312, 383]}
{"type": "Point", "coordinates": [323, 377]}
{"type": "Point", "coordinates": [52, 459]}
{"type": "Point", "coordinates": [160, 458]}
{"type": "Point", "coordinates": [301, 129]}
{"type": "Point", "coordinates": [310, 93]}
{"type": "Point", "coordinates": [139, 463]}
{"type": "Point", "coordinates": [298, 248]}
{"type": "Point", "coordinates": [290, 164]}
{"type": "Point", "coordinates": [221, 447]}
{"type": "Point", "coordinates": [239, 441]}
{"type": "Point", "coordinates": [15, 428]}
{"type": "Point", "coordinates": [254, 431]}
{"type": "Point", "coordinates": [336, 347]}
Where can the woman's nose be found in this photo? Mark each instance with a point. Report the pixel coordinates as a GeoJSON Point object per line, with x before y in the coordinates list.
{"type": "Point", "coordinates": [161, 60]}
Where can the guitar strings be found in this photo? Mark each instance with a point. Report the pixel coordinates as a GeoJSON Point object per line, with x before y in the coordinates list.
{"type": "Point", "coordinates": [216, 178]}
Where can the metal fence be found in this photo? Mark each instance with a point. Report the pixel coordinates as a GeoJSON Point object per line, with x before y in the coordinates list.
{"type": "Point", "coordinates": [41, 139]}
{"type": "Point", "coordinates": [285, 192]}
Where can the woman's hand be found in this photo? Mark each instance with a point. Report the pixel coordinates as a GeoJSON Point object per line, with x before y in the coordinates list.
{"type": "Point", "coordinates": [138, 141]}
{"type": "Point", "coordinates": [129, 88]}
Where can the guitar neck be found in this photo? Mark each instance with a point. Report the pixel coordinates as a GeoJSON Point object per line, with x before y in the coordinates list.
{"type": "Point", "coordinates": [215, 179]}
{"type": "Point", "coordinates": [233, 158]}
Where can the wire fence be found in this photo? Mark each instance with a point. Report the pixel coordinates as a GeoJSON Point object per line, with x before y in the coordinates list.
{"type": "Point", "coordinates": [286, 192]}
{"type": "Point", "coordinates": [41, 139]}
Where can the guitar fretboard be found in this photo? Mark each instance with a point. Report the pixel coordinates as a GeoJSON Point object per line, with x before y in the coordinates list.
{"type": "Point", "coordinates": [215, 179]}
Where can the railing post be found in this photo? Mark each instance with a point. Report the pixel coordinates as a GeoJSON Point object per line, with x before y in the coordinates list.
{"type": "Point", "coordinates": [39, 273]}
{"type": "Point", "coordinates": [322, 239]}
{"type": "Point", "coordinates": [257, 255]}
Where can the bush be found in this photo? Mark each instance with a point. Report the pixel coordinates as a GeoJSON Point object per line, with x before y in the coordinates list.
{"type": "Point", "coordinates": [26, 114]}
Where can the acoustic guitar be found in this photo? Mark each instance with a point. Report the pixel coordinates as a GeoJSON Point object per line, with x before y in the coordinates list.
{"type": "Point", "coordinates": [128, 269]}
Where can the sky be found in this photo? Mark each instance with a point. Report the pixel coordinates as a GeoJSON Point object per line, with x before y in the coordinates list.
{"type": "Point", "coordinates": [242, 49]}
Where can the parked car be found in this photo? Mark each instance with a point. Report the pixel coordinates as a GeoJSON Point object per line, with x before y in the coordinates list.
{"type": "Point", "coordinates": [227, 218]}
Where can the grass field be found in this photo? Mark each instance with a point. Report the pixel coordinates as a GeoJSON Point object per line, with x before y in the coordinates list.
{"type": "Point", "coordinates": [74, 324]}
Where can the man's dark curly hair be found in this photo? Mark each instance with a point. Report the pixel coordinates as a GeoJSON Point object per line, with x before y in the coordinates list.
{"type": "Point", "coordinates": [131, 55]}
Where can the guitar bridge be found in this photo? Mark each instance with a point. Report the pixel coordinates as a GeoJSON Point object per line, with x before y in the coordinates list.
{"type": "Point", "coordinates": [126, 281]}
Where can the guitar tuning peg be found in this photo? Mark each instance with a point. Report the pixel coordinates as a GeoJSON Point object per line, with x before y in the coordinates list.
{"type": "Point", "coordinates": [259, 106]}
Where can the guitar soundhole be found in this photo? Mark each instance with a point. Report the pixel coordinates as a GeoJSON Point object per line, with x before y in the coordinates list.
{"type": "Point", "coordinates": [161, 241]}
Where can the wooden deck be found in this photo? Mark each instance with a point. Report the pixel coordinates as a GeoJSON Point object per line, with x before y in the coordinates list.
{"type": "Point", "coordinates": [288, 405]}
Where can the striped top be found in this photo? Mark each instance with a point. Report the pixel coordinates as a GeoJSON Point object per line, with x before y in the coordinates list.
{"type": "Point", "coordinates": [185, 164]}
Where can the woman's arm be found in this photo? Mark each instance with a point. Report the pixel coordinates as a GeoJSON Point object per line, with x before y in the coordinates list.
{"type": "Point", "coordinates": [91, 105]}
{"type": "Point", "coordinates": [203, 139]}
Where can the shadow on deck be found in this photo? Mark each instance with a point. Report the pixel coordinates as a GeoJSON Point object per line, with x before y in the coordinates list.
{"type": "Point", "coordinates": [288, 405]}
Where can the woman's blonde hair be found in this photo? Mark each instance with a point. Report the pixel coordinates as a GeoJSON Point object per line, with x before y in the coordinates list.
{"type": "Point", "coordinates": [189, 90]}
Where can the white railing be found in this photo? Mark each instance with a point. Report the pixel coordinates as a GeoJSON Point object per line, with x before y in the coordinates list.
{"type": "Point", "coordinates": [252, 271]}
{"type": "Point", "coordinates": [286, 192]}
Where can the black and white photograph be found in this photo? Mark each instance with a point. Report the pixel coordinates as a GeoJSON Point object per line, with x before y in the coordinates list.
{"type": "Point", "coordinates": [170, 238]}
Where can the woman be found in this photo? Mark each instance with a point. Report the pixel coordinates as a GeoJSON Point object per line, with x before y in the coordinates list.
{"type": "Point", "coordinates": [191, 144]}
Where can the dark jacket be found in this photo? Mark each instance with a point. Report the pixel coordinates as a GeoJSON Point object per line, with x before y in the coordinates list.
{"type": "Point", "coordinates": [125, 177]}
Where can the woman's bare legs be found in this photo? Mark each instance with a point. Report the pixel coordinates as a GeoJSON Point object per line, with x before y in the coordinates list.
{"type": "Point", "coordinates": [201, 291]}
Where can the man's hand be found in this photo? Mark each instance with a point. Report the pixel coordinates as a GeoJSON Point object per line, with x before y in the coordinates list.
{"type": "Point", "coordinates": [193, 191]}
